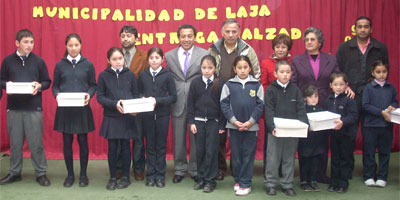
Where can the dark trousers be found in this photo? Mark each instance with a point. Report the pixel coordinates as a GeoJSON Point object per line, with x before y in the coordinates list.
{"type": "Point", "coordinates": [373, 138]}
{"type": "Point", "coordinates": [207, 141]}
{"type": "Point", "coordinates": [341, 160]}
{"type": "Point", "coordinates": [125, 154]}
{"type": "Point", "coordinates": [156, 133]}
{"type": "Point", "coordinates": [138, 149]}
{"type": "Point", "coordinates": [83, 153]}
{"type": "Point", "coordinates": [222, 166]}
{"type": "Point", "coordinates": [323, 159]}
{"type": "Point", "coordinates": [309, 168]}
{"type": "Point", "coordinates": [243, 148]}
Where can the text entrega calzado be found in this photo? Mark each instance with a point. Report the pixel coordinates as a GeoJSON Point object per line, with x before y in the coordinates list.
{"type": "Point", "coordinates": [290, 128]}
{"type": "Point", "coordinates": [138, 105]}
{"type": "Point", "coordinates": [75, 99]}
{"type": "Point", "coordinates": [323, 120]}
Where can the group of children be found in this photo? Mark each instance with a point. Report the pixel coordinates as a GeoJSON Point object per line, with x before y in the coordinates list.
{"type": "Point", "coordinates": [236, 107]}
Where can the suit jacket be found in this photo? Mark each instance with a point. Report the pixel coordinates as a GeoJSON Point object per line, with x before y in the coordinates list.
{"type": "Point", "coordinates": [303, 74]}
{"type": "Point", "coordinates": [139, 62]}
{"type": "Point", "coordinates": [182, 83]}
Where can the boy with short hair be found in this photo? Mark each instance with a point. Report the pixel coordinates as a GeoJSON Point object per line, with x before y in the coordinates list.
{"type": "Point", "coordinates": [24, 111]}
{"type": "Point", "coordinates": [284, 100]}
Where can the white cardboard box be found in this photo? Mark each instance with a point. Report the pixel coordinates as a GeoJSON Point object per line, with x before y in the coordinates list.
{"type": "Point", "coordinates": [19, 87]}
{"type": "Point", "coordinates": [290, 128]}
{"type": "Point", "coordinates": [138, 105]}
{"type": "Point", "coordinates": [67, 99]}
{"type": "Point", "coordinates": [395, 116]}
{"type": "Point", "coordinates": [323, 120]}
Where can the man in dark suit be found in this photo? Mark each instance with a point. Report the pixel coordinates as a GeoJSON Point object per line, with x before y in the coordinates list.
{"type": "Point", "coordinates": [184, 64]}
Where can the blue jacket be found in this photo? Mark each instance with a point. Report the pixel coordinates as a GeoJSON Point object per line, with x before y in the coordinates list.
{"type": "Point", "coordinates": [375, 99]}
{"type": "Point", "coordinates": [347, 109]}
{"type": "Point", "coordinates": [242, 102]}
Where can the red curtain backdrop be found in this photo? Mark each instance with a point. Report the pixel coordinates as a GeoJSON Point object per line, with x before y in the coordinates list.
{"type": "Point", "coordinates": [99, 22]}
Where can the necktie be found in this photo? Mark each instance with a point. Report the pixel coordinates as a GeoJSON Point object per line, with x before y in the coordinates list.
{"type": "Point", "coordinates": [154, 76]}
{"type": "Point", "coordinates": [23, 58]}
{"type": "Point", "coordinates": [117, 71]}
{"type": "Point", "coordinates": [208, 82]}
{"type": "Point", "coordinates": [73, 62]}
{"type": "Point", "coordinates": [186, 63]}
{"type": "Point", "coordinates": [127, 55]}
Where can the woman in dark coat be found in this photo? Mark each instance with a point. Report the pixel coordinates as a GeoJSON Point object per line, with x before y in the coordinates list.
{"type": "Point", "coordinates": [314, 68]}
{"type": "Point", "coordinates": [115, 84]}
{"type": "Point", "coordinates": [74, 73]}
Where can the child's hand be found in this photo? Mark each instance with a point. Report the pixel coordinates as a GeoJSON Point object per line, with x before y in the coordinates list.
{"type": "Point", "coordinates": [36, 87]}
{"type": "Point", "coordinates": [119, 107]}
{"type": "Point", "coordinates": [391, 108]}
{"type": "Point", "coordinates": [339, 124]}
{"type": "Point", "coordinates": [193, 128]}
{"type": "Point", "coordinates": [238, 124]}
{"type": "Point", "coordinates": [87, 99]}
{"type": "Point", "coordinates": [274, 132]}
{"type": "Point", "coordinates": [221, 131]}
{"type": "Point", "coordinates": [246, 126]}
{"type": "Point", "coordinates": [386, 115]}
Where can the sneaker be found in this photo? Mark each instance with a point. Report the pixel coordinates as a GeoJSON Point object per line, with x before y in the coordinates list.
{"type": "Point", "coordinates": [305, 187]}
{"type": "Point", "coordinates": [370, 182]}
{"type": "Point", "coordinates": [243, 191]}
{"type": "Point", "coordinates": [380, 183]}
{"type": "Point", "coordinates": [236, 187]}
{"type": "Point", "coordinates": [314, 186]}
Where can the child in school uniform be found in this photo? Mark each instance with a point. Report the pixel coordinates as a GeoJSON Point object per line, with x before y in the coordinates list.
{"type": "Point", "coordinates": [156, 82]}
{"type": "Point", "coordinates": [343, 134]}
{"type": "Point", "coordinates": [284, 100]}
{"type": "Point", "coordinates": [74, 73]}
{"type": "Point", "coordinates": [378, 100]}
{"type": "Point", "coordinates": [115, 84]}
{"type": "Point", "coordinates": [206, 122]}
{"type": "Point", "coordinates": [242, 100]}
{"type": "Point", "coordinates": [310, 148]}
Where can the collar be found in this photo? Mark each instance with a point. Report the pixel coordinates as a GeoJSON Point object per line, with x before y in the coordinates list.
{"type": "Point", "coordinates": [281, 84]}
{"type": "Point", "coordinates": [230, 50]}
{"type": "Point", "coordinates": [19, 55]}
{"type": "Point", "coordinates": [205, 79]}
{"type": "Point", "coordinates": [115, 69]}
{"type": "Point", "coordinates": [77, 58]}
{"type": "Point", "coordinates": [131, 51]}
{"type": "Point", "coordinates": [181, 51]}
{"type": "Point", "coordinates": [376, 82]}
{"type": "Point", "coordinates": [157, 70]}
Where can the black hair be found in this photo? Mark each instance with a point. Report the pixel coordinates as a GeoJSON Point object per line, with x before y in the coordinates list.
{"type": "Point", "coordinates": [23, 33]}
{"type": "Point", "coordinates": [211, 58]}
{"type": "Point", "coordinates": [364, 17]}
{"type": "Point", "coordinates": [186, 26]}
{"type": "Point", "coordinates": [72, 35]}
{"type": "Point", "coordinates": [158, 50]}
{"type": "Point", "coordinates": [282, 62]}
{"type": "Point", "coordinates": [237, 60]}
{"type": "Point", "coordinates": [336, 75]}
{"type": "Point", "coordinates": [375, 65]}
{"type": "Point", "coordinates": [129, 29]}
{"type": "Point", "coordinates": [111, 51]}
{"type": "Point", "coordinates": [310, 90]}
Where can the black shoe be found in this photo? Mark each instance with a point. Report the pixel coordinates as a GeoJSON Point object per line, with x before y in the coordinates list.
{"type": "Point", "coordinates": [195, 178]}
{"type": "Point", "coordinates": [341, 190]}
{"type": "Point", "coordinates": [289, 192]}
{"type": "Point", "coordinates": [10, 179]}
{"type": "Point", "coordinates": [305, 187]}
{"type": "Point", "coordinates": [124, 182]}
{"type": "Point", "coordinates": [177, 179]}
{"type": "Point", "coordinates": [220, 176]}
{"type": "Point", "coordinates": [83, 181]}
{"type": "Point", "coordinates": [199, 185]}
{"type": "Point", "coordinates": [112, 184]}
{"type": "Point", "coordinates": [332, 188]}
{"type": "Point", "coordinates": [150, 183]}
{"type": "Point", "coordinates": [160, 183]}
{"type": "Point", "coordinates": [314, 186]}
{"type": "Point", "coordinates": [208, 188]}
{"type": "Point", "coordinates": [139, 176]}
{"type": "Point", "coordinates": [271, 191]}
{"type": "Point", "coordinates": [69, 181]}
{"type": "Point", "coordinates": [43, 180]}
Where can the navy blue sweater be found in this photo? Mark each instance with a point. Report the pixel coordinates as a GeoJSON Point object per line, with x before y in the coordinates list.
{"type": "Point", "coordinates": [204, 103]}
{"type": "Point", "coordinates": [162, 88]}
{"type": "Point", "coordinates": [34, 69]}
{"type": "Point", "coordinates": [111, 89]}
{"type": "Point", "coordinates": [347, 108]}
{"type": "Point", "coordinates": [375, 99]}
{"type": "Point", "coordinates": [242, 103]}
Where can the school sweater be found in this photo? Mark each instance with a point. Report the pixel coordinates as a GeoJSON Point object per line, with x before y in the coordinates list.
{"type": "Point", "coordinates": [242, 102]}
{"type": "Point", "coordinates": [375, 99]}
{"type": "Point", "coordinates": [204, 103]}
{"type": "Point", "coordinates": [33, 69]}
{"type": "Point", "coordinates": [347, 108]}
{"type": "Point", "coordinates": [81, 78]}
{"type": "Point", "coordinates": [284, 103]}
{"type": "Point", "coordinates": [161, 87]}
{"type": "Point", "coordinates": [111, 89]}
